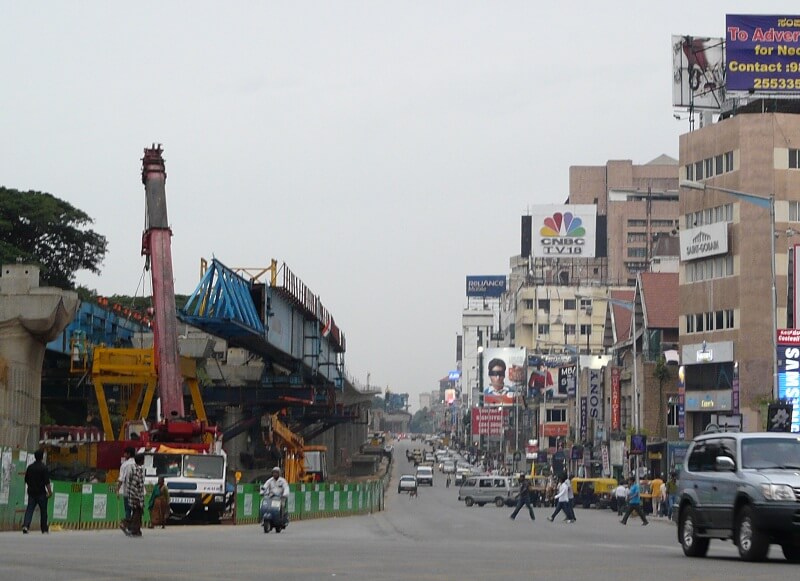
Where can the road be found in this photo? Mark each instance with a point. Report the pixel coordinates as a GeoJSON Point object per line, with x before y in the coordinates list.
{"type": "Point", "coordinates": [431, 537]}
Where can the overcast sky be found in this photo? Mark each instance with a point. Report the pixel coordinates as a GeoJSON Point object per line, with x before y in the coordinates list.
{"type": "Point", "coordinates": [383, 150]}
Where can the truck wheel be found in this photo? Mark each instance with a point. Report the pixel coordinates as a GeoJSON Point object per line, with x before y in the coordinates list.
{"type": "Point", "coordinates": [693, 546]}
{"type": "Point", "coordinates": [499, 502]}
{"type": "Point", "coordinates": [791, 552]}
{"type": "Point", "coordinates": [468, 501]}
{"type": "Point", "coordinates": [753, 544]}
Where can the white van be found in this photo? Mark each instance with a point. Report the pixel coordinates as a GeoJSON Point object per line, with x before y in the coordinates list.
{"type": "Point", "coordinates": [425, 475]}
{"type": "Point", "coordinates": [485, 488]}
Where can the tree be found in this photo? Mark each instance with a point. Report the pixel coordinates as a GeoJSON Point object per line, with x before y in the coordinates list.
{"type": "Point", "coordinates": [38, 228]}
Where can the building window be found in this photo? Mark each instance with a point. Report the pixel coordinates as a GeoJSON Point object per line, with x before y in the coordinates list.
{"type": "Point", "coordinates": [729, 212]}
{"type": "Point", "coordinates": [570, 304]}
{"type": "Point", "coordinates": [586, 330]}
{"type": "Point", "coordinates": [709, 167]}
{"type": "Point", "coordinates": [637, 252]}
{"type": "Point", "coordinates": [729, 319]}
{"type": "Point", "coordinates": [637, 237]}
{"type": "Point", "coordinates": [794, 159]}
{"type": "Point", "coordinates": [698, 170]}
{"type": "Point", "coordinates": [662, 223]}
{"type": "Point", "coordinates": [794, 211]}
{"type": "Point", "coordinates": [689, 172]}
{"type": "Point", "coordinates": [672, 412]}
{"type": "Point", "coordinates": [569, 329]}
{"type": "Point", "coordinates": [719, 319]}
{"type": "Point", "coordinates": [543, 329]}
{"type": "Point", "coordinates": [556, 415]}
{"type": "Point", "coordinates": [690, 323]}
{"type": "Point", "coordinates": [719, 165]}
{"type": "Point", "coordinates": [544, 305]}
{"type": "Point", "coordinates": [698, 322]}
{"type": "Point", "coordinates": [728, 161]}
{"type": "Point", "coordinates": [528, 304]}
{"type": "Point", "coordinates": [709, 321]}
{"type": "Point", "coordinates": [637, 223]}
{"type": "Point", "coordinates": [586, 304]}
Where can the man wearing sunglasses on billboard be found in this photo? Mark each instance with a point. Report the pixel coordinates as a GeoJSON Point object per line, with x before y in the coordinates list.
{"type": "Point", "coordinates": [497, 392]}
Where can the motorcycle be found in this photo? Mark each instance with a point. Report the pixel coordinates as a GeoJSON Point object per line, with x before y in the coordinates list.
{"type": "Point", "coordinates": [273, 514]}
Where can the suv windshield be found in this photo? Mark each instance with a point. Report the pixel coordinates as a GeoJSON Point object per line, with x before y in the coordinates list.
{"type": "Point", "coordinates": [764, 453]}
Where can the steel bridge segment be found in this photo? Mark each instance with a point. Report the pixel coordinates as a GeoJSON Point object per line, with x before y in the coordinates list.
{"type": "Point", "coordinates": [223, 301]}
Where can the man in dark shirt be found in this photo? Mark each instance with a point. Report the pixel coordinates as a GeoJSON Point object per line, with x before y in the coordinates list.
{"type": "Point", "coordinates": [524, 499]}
{"type": "Point", "coordinates": [39, 490]}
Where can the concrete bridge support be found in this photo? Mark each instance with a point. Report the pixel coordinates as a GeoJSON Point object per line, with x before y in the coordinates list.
{"type": "Point", "coordinates": [30, 317]}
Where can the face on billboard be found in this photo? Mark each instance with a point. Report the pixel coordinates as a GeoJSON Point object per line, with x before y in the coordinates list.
{"type": "Point", "coordinates": [503, 375]}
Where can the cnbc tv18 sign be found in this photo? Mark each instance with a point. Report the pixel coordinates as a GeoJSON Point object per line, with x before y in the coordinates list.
{"type": "Point", "coordinates": [569, 231]}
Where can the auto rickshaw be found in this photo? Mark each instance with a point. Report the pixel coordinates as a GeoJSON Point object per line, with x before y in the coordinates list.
{"type": "Point", "coordinates": [593, 491]}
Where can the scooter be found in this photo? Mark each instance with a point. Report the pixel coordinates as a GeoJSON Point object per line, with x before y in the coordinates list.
{"type": "Point", "coordinates": [272, 514]}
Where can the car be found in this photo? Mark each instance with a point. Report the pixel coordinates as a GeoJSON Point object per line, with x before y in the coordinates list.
{"type": "Point", "coordinates": [448, 467]}
{"type": "Point", "coordinates": [425, 475]}
{"type": "Point", "coordinates": [744, 487]}
{"type": "Point", "coordinates": [407, 483]}
{"type": "Point", "coordinates": [486, 488]}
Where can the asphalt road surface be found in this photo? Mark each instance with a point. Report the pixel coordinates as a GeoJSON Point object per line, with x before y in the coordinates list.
{"type": "Point", "coordinates": [431, 537]}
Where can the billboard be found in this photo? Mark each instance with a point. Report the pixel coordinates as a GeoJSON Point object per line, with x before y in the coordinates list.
{"type": "Point", "coordinates": [486, 286]}
{"type": "Point", "coordinates": [698, 72]}
{"type": "Point", "coordinates": [488, 421]}
{"type": "Point", "coordinates": [568, 231]}
{"type": "Point", "coordinates": [616, 399]}
{"type": "Point", "coordinates": [596, 395]}
{"type": "Point", "coordinates": [789, 373]}
{"type": "Point", "coordinates": [762, 53]}
{"type": "Point", "coordinates": [551, 376]}
{"type": "Point", "coordinates": [503, 375]}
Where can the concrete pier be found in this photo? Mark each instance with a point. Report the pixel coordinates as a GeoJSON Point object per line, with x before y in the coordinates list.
{"type": "Point", "coordinates": [30, 317]}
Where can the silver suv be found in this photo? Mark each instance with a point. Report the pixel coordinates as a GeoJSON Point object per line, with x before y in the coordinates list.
{"type": "Point", "coordinates": [744, 487]}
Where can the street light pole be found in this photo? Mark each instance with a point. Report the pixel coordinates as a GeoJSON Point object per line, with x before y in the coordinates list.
{"type": "Point", "coordinates": [763, 202]}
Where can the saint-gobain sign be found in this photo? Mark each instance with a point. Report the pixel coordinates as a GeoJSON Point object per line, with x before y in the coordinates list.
{"type": "Point", "coordinates": [704, 241]}
{"type": "Point", "coordinates": [486, 286]}
{"type": "Point", "coordinates": [568, 231]}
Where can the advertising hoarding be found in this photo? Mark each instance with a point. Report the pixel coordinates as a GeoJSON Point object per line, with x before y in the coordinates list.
{"type": "Point", "coordinates": [568, 231]}
{"type": "Point", "coordinates": [486, 286]}
{"type": "Point", "coordinates": [762, 53]}
{"type": "Point", "coordinates": [551, 376]}
{"type": "Point", "coordinates": [503, 375]}
{"type": "Point", "coordinates": [488, 421]}
{"type": "Point", "coordinates": [698, 72]}
{"type": "Point", "coordinates": [584, 416]}
{"type": "Point", "coordinates": [595, 394]}
{"type": "Point", "coordinates": [616, 399]}
{"type": "Point", "coordinates": [789, 374]}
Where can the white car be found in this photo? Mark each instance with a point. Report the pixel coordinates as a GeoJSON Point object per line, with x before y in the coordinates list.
{"type": "Point", "coordinates": [408, 483]}
{"type": "Point", "coordinates": [425, 475]}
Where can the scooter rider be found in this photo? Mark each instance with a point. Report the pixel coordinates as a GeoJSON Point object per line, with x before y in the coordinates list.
{"type": "Point", "coordinates": [277, 486]}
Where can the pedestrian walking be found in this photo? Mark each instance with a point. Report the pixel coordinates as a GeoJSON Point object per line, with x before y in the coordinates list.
{"type": "Point", "coordinates": [562, 500]}
{"type": "Point", "coordinates": [523, 499]}
{"type": "Point", "coordinates": [634, 503]}
{"type": "Point", "coordinates": [655, 494]}
{"type": "Point", "coordinates": [571, 497]}
{"type": "Point", "coordinates": [621, 495]}
{"type": "Point", "coordinates": [672, 493]}
{"type": "Point", "coordinates": [39, 490]}
{"type": "Point", "coordinates": [159, 504]}
{"type": "Point", "coordinates": [134, 485]}
{"type": "Point", "coordinates": [124, 469]}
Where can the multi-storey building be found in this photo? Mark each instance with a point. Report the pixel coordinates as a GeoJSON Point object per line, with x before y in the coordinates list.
{"type": "Point", "coordinates": [726, 329]}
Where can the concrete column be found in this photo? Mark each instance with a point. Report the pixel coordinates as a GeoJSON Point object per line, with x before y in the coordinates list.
{"type": "Point", "coordinates": [30, 317]}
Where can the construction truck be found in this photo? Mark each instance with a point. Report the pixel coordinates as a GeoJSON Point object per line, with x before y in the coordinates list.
{"type": "Point", "coordinates": [186, 451]}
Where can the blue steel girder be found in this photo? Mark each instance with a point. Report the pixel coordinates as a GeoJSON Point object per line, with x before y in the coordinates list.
{"type": "Point", "coordinates": [222, 302]}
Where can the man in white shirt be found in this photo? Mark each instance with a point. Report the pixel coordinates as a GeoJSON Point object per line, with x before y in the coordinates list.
{"type": "Point", "coordinates": [124, 470]}
{"type": "Point", "coordinates": [621, 494]}
{"type": "Point", "coordinates": [562, 498]}
{"type": "Point", "coordinates": [277, 486]}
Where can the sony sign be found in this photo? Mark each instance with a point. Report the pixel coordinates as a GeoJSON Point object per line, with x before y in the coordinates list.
{"type": "Point", "coordinates": [596, 394]}
{"type": "Point", "coordinates": [704, 241]}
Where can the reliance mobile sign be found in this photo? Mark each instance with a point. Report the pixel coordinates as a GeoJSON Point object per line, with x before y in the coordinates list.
{"type": "Point", "coordinates": [486, 286]}
{"type": "Point", "coordinates": [569, 231]}
{"type": "Point", "coordinates": [763, 53]}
